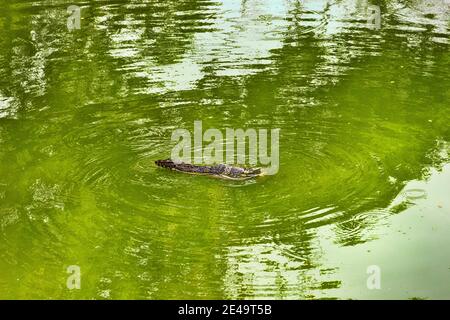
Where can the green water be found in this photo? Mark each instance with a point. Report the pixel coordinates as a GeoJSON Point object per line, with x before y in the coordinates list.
{"type": "Point", "coordinates": [364, 173]}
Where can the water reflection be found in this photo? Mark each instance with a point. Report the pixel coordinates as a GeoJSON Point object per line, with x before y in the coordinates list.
{"type": "Point", "coordinates": [83, 114]}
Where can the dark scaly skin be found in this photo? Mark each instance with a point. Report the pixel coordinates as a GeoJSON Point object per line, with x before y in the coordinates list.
{"type": "Point", "coordinates": [219, 170]}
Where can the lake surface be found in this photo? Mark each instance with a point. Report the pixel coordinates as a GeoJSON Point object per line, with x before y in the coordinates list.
{"type": "Point", "coordinates": [364, 176]}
